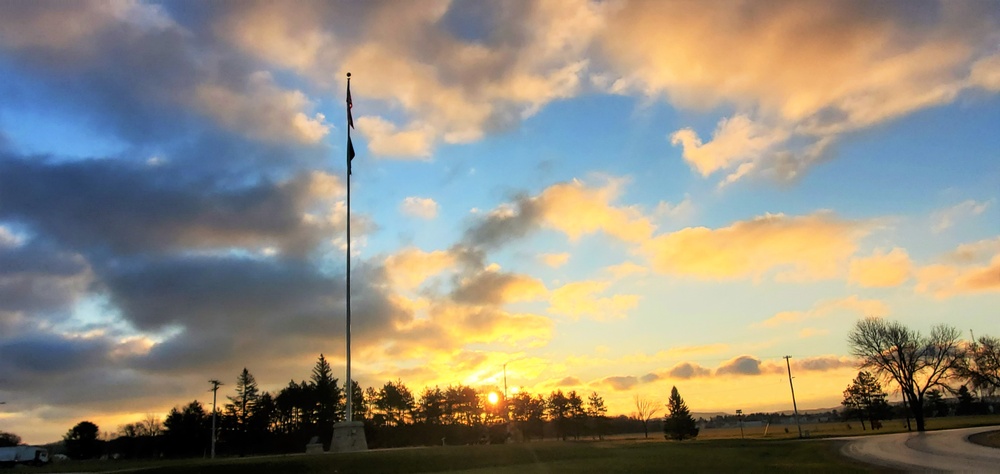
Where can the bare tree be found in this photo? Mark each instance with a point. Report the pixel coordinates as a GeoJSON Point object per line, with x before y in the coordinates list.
{"type": "Point", "coordinates": [914, 362]}
{"type": "Point", "coordinates": [645, 410]}
{"type": "Point", "coordinates": [982, 366]}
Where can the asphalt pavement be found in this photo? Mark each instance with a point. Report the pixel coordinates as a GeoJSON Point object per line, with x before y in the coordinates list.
{"type": "Point", "coordinates": [945, 450]}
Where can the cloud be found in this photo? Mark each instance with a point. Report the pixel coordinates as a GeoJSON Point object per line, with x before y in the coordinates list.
{"type": "Point", "coordinates": [626, 269]}
{"type": "Point", "coordinates": [814, 246]}
{"type": "Point", "coordinates": [824, 363]}
{"type": "Point", "coordinates": [410, 267]}
{"type": "Point", "coordinates": [620, 383]}
{"type": "Point", "coordinates": [497, 288]}
{"type": "Point", "coordinates": [554, 260]}
{"type": "Point", "coordinates": [881, 270]}
{"type": "Point", "coordinates": [173, 214]}
{"type": "Point", "coordinates": [261, 110]}
{"type": "Point", "coordinates": [860, 65]}
{"type": "Point", "coordinates": [572, 208]}
{"type": "Point", "coordinates": [688, 370]}
{"type": "Point", "coordinates": [736, 140]}
{"type": "Point", "coordinates": [850, 305]}
{"type": "Point", "coordinates": [945, 219]}
{"type": "Point", "coordinates": [975, 271]}
{"type": "Point", "coordinates": [679, 210]}
{"type": "Point", "coordinates": [424, 208]}
{"type": "Point", "coordinates": [742, 365]}
{"type": "Point", "coordinates": [580, 299]}
{"type": "Point", "coordinates": [384, 139]}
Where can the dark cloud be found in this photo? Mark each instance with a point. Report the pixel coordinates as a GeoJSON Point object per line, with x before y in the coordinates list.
{"type": "Point", "coordinates": [687, 370]}
{"type": "Point", "coordinates": [130, 208]}
{"type": "Point", "coordinates": [488, 287]}
{"type": "Point", "coordinates": [822, 364]}
{"type": "Point", "coordinates": [742, 365]}
{"type": "Point", "coordinates": [650, 377]}
{"type": "Point", "coordinates": [500, 227]}
{"type": "Point", "coordinates": [48, 355]}
{"type": "Point", "coordinates": [37, 277]}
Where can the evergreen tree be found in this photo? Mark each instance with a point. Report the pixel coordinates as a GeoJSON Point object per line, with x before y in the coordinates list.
{"type": "Point", "coordinates": [679, 424]}
{"type": "Point", "coordinates": [965, 401]}
{"type": "Point", "coordinates": [242, 405]}
{"type": "Point", "coordinates": [865, 400]}
{"type": "Point", "coordinates": [81, 441]}
{"type": "Point", "coordinates": [188, 430]}
{"type": "Point", "coordinates": [597, 414]}
{"type": "Point", "coordinates": [328, 397]}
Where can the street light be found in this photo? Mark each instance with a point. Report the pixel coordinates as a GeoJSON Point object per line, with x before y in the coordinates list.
{"type": "Point", "coordinates": [739, 415]}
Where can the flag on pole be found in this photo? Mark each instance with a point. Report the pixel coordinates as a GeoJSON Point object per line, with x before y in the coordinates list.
{"type": "Point", "coordinates": [350, 105]}
{"type": "Point", "coordinates": [350, 125]}
{"type": "Point", "coordinates": [350, 154]}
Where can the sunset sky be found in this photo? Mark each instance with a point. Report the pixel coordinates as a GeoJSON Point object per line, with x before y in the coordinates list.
{"type": "Point", "coordinates": [607, 196]}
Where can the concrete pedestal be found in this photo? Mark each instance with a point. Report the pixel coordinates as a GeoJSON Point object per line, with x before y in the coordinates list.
{"type": "Point", "coordinates": [348, 436]}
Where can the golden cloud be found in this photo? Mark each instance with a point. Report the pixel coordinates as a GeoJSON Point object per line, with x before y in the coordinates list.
{"type": "Point", "coordinates": [814, 246]}
{"type": "Point", "coordinates": [577, 210]}
{"type": "Point", "coordinates": [850, 305]}
{"type": "Point", "coordinates": [581, 298]}
{"type": "Point", "coordinates": [808, 70]}
{"type": "Point", "coordinates": [410, 267]}
{"type": "Point", "coordinates": [554, 260]}
{"type": "Point", "coordinates": [881, 270]}
{"type": "Point", "coordinates": [497, 288]}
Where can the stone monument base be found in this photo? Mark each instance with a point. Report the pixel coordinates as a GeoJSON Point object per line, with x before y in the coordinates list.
{"type": "Point", "coordinates": [348, 437]}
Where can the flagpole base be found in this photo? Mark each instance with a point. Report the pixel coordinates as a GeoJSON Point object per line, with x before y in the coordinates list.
{"type": "Point", "coordinates": [348, 437]}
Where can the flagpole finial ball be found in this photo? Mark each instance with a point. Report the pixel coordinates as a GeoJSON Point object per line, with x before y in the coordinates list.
{"type": "Point", "coordinates": [348, 74]}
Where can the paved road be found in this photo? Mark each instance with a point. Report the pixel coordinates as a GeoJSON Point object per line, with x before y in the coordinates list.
{"type": "Point", "coordinates": [946, 450]}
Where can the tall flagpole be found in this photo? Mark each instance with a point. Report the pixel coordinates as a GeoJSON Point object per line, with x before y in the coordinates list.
{"type": "Point", "coordinates": [350, 386]}
{"type": "Point", "coordinates": [350, 435]}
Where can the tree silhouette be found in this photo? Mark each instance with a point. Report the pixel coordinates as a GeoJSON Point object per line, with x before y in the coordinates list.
{"type": "Point", "coordinates": [965, 401]}
{"type": "Point", "coordinates": [597, 414]}
{"type": "Point", "coordinates": [329, 405]}
{"type": "Point", "coordinates": [188, 430]}
{"type": "Point", "coordinates": [431, 406]}
{"type": "Point", "coordinates": [915, 363]}
{"type": "Point", "coordinates": [982, 366]}
{"type": "Point", "coordinates": [81, 441]}
{"type": "Point", "coordinates": [247, 394]}
{"type": "Point", "coordinates": [9, 439]}
{"type": "Point", "coordinates": [645, 410]}
{"type": "Point", "coordinates": [678, 425]}
{"type": "Point", "coordinates": [395, 401]}
{"type": "Point", "coordinates": [865, 400]}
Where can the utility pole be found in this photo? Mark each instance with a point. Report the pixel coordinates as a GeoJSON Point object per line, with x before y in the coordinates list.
{"type": "Point", "coordinates": [795, 407]}
{"type": "Point", "coordinates": [215, 390]}
{"type": "Point", "coordinates": [506, 407]}
{"type": "Point", "coordinates": [739, 415]}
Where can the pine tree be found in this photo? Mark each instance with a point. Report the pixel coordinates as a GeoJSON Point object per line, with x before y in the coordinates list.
{"type": "Point", "coordinates": [329, 406]}
{"type": "Point", "coordinates": [242, 405]}
{"type": "Point", "coordinates": [679, 424]}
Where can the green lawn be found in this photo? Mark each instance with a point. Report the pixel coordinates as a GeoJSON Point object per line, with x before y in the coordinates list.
{"type": "Point", "coordinates": [717, 449]}
{"type": "Point", "coordinates": [548, 456]}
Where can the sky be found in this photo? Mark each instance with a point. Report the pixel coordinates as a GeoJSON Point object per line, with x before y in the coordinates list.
{"type": "Point", "coordinates": [609, 196]}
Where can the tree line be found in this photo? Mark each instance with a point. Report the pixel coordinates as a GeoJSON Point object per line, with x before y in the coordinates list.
{"type": "Point", "coordinates": [253, 421]}
{"type": "Point", "coordinates": [920, 367]}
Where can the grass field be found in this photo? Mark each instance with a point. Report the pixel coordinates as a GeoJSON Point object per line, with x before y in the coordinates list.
{"type": "Point", "coordinates": [547, 456]}
{"type": "Point", "coordinates": [716, 449]}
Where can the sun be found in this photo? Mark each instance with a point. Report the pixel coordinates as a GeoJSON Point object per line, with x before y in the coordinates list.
{"type": "Point", "coordinates": [493, 398]}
